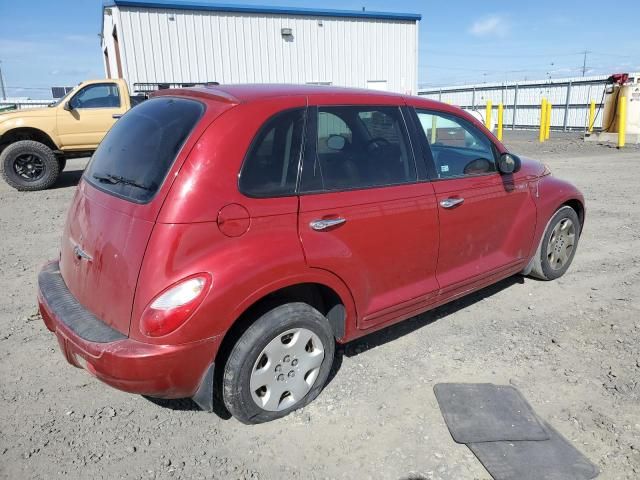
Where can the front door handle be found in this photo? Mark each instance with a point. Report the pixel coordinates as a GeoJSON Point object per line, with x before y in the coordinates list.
{"type": "Point", "coordinates": [451, 202]}
{"type": "Point", "coordinates": [320, 225]}
{"type": "Point", "coordinates": [116, 115]}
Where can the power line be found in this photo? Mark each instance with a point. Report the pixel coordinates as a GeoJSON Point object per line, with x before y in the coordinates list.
{"type": "Point", "coordinates": [498, 55]}
{"type": "Point", "coordinates": [29, 88]}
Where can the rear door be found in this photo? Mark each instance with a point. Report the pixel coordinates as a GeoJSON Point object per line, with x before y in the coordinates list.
{"type": "Point", "coordinates": [487, 219]}
{"type": "Point", "coordinates": [113, 212]}
{"type": "Point", "coordinates": [93, 111]}
{"type": "Point", "coordinates": [364, 213]}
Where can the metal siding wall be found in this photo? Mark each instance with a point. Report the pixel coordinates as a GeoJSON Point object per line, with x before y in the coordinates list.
{"type": "Point", "coordinates": [530, 94]}
{"type": "Point", "coordinates": [199, 46]}
{"type": "Point", "coordinates": [107, 42]}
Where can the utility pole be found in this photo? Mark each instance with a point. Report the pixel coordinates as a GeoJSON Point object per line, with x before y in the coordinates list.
{"type": "Point", "coordinates": [4, 93]}
{"type": "Point", "coordinates": [584, 62]}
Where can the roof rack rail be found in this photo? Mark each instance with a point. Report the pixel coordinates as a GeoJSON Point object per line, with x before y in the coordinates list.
{"type": "Point", "coordinates": [147, 87]}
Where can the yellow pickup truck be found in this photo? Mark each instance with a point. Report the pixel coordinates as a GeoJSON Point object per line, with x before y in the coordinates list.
{"type": "Point", "coordinates": [35, 143]}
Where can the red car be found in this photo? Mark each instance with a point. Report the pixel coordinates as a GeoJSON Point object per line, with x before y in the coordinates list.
{"type": "Point", "coordinates": [223, 239]}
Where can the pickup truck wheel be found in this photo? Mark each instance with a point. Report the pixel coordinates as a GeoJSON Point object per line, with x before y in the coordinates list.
{"type": "Point", "coordinates": [558, 245]}
{"type": "Point", "coordinates": [279, 364]}
{"type": "Point", "coordinates": [28, 165]}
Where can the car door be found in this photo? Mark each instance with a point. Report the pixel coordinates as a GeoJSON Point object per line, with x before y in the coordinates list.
{"type": "Point", "coordinates": [487, 220]}
{"type": "Point", "coordinates": [364, 215]}
{"type": "Point", "coordinates": [88, 116]}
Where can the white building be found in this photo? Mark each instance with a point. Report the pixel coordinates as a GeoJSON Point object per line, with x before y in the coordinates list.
{"type": "Point", "coordinates": [176, 43]}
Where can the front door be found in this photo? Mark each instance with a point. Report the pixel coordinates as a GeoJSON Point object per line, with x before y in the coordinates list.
{"type": "Point", "coordinates": [363, 215]}
{"type": "Point", "coordinates": [90, 114]}
{"type": "Point", "coordinates": [487, 219]}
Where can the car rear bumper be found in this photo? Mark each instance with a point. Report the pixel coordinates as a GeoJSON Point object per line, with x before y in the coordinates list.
{"type": "Point", "coordinates": [163, 371]}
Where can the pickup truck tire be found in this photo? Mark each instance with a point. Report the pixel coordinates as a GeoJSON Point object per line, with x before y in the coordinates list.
{"type": "Point", "coordinates": [28, 166]}
{"type": "Point", "coordinates": [286, 354]}
{"type": "Point", "coordinates": [63, 163]}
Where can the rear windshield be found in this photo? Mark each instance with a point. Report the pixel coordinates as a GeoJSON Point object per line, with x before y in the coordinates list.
{"type": "Point", "coordinates": [135, 156]}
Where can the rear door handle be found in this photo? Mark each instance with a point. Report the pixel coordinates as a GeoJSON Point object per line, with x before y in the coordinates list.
{"type": "Point", "coordinates": [320, 225]}
{"type": "Point", "coordinates": [451, 202]}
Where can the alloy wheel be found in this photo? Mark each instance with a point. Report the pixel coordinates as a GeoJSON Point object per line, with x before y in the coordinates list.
{"type": "Point", "coordinates": [29, 167]}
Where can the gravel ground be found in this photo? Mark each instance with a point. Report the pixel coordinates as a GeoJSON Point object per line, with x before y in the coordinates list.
{"type": "Point", "coordinates": [571, 347]}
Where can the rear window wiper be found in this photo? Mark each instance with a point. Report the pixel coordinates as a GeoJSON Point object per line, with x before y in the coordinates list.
{"type": "Point", "coordinates": [113, 179]}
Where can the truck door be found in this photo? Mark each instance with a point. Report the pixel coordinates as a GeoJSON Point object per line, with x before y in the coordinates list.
{"type": "Point", "coordinates": [88, 115]}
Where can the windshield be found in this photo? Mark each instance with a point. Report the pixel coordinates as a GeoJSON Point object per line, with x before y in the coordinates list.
{"type": "Point", "coordinates": [135, 156]}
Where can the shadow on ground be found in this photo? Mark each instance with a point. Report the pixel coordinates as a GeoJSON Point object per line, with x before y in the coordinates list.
{"type": "Point", "coordinates": [68, 178]}
{"type": "Point", "coordinates": [373, 340]}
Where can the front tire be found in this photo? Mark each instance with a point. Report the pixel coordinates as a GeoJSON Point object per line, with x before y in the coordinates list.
{"type": "Point", "coordinates": [280, 364]}
{"type": "Point", "coordinates": [28, 166]}
{"type": "Point", "coordinates": [558, 245]}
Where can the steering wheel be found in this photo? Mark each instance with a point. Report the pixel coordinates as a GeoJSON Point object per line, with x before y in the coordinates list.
{"type": "Point", "coordinates": [374, 141]}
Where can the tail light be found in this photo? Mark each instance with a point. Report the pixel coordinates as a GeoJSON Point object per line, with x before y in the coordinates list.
{"type": "Point", "coordinates": [174, 306]}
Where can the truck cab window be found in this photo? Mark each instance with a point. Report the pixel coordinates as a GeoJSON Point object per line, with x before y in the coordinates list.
{"type": "Point", "coordinates": [101, 95]}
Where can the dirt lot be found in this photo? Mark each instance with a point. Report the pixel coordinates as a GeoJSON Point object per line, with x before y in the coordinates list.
{"type": "Point", "coordinates": [571, 346]}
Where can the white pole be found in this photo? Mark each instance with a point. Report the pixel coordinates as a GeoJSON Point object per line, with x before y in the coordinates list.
{"type": "Point", "coordinates": [4, 93]}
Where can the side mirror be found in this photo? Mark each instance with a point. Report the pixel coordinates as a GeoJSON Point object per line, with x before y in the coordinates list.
{"type": "Point", "coordinates": [336, 142]}
{"type": "Point", "coordinates": [508, 163]}
{"type": "Point", "coordinates": [67, 106]}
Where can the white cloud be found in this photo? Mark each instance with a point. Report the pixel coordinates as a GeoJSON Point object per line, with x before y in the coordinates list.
{"type": "Point", "coordinates": [490, 25]}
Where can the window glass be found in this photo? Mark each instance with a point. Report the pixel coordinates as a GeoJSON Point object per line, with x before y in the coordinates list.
{"type": "Point", "coordinates": [271, 167]}
{"type": "Point", "coordinates": [360, 147]}
{"type": "Point", "coordinates": [330, 124]}
{"type": "Point", "coordinates": [103, 95]}
{"type": "Point", "coordinates": [137, 153]}
{"type": "Point", "coordinates": [457, 147]}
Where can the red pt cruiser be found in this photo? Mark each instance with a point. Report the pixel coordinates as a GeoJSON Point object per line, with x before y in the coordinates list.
{"type": "Point", "coordinates": [223, 239]}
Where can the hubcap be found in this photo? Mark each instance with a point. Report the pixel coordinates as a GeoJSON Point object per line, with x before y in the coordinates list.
{"type": "Point", "coordinates": [286, 369]}
{"type": "Point", "coordinates": [29, 167]}
{"type": "Point", "coordinates": [561, 243]}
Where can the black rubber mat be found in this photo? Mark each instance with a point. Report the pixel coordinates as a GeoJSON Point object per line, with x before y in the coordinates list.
{"type": "Point", "coordinates": [552, 459]}
{"type": "Point", "coordinates": [483, 412]}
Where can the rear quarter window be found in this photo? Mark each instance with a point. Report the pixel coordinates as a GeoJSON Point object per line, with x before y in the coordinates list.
{"type": "Point", "coordinates": [270, 168]}
{"type": "Point", "coordinates": [137, 153]}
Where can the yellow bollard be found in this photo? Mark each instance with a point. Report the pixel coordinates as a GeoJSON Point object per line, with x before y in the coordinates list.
{"type": "Point", "coordinates": [592, 114]}
{"type": "Point", "coordinates": [543, 119]}
{"type": "Point", "coordinates": [548, 122]}
{"type": "Point", "coordinates": [487, 117]}
{"type": "Point", "coordinates": [622, 121]}
{"type": "Point", "coordinates": [434, 129]}
{"type": "Point", "coordinates": [500, 119]}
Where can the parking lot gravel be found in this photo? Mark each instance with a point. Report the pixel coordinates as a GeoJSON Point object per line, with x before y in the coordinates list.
{"type": "Point", "coordinates": [571, 346]}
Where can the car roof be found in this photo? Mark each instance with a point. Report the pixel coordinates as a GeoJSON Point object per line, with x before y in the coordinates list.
{"type": "Point", "coordinates": [245, 93]}
{"type": "Point", "coordinates": [242, 93]}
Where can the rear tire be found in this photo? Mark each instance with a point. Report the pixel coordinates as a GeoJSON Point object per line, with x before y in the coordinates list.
{"type": "Point", "coordinates": [558, 245]}
{"type": "Point", "coordinates": [280, 364]}
{"type": "Point", "coordinates": [28, 166]}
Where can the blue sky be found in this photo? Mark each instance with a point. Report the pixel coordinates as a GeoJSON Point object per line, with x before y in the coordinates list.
{"type": "Point", "coordinates": [46, 43]}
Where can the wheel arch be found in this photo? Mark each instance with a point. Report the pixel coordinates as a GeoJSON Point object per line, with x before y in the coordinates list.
{"type": "Point", "coordinates": [26, 133]}
{"type": "Point", "coordinates": [578, 206]}
{"type": "Point", "coordinates": [323, 292]}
